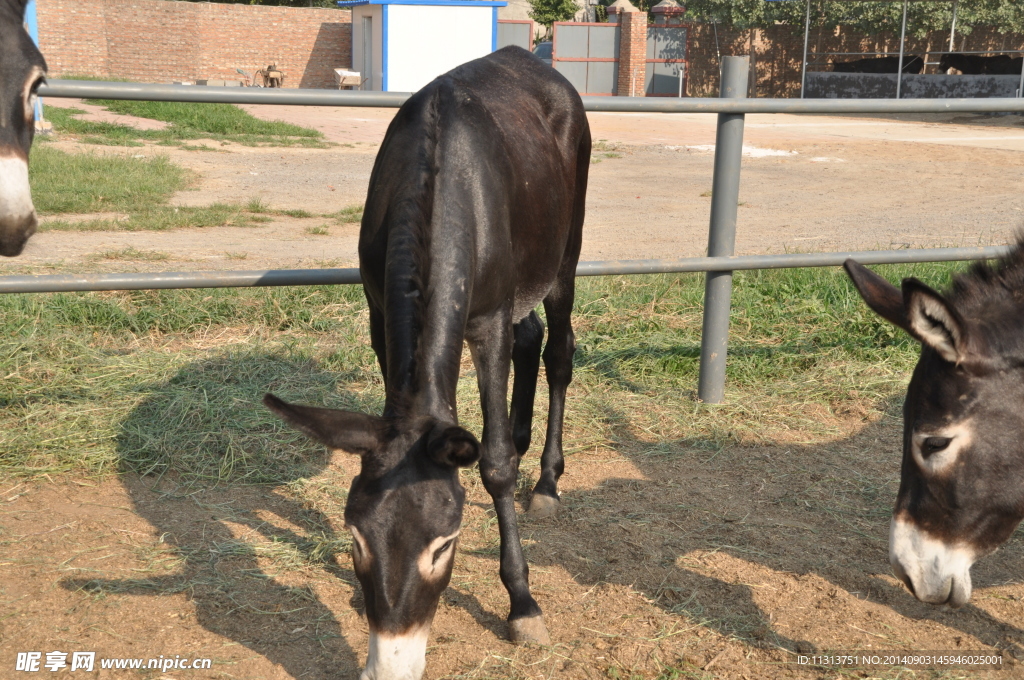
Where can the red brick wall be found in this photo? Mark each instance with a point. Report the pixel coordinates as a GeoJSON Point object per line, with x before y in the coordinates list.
{"type": "Point", "coordinates": [160, 40]}
{"type": "Point", "coordinates": [632, 54]}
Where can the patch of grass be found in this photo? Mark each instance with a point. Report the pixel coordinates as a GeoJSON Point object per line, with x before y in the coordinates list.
{"type": "Point", "coordinates": [163, 218]}
{"type": "Point", "coordinates": [222, 120]}
{"type": "Point", "coordinates": [256, 204]}
{"type": "Point", "coordinates": [83, 183]}
{"type": "Point", "coordinates": [170, 381]}
{"type": "Point", "coordinates": [135, 186]}
{"type": "Point", "coordinates": [296, 213]}
{"type": "Point", "coordinates": [65, 121]}
{"type": "Point", "coordinates": [186, 122]}
{"type": "Point", "coordinates": [353, 213]}
{"type": "Point", "coordinates": [322, 230]}
{"type": "Point", "coordinates": [161, 381]}
{"type": "Point", "coordinates": [134, 254]}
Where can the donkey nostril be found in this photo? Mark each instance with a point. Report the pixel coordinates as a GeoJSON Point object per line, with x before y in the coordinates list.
{"type": "Point", "coordinates": [901, 574]}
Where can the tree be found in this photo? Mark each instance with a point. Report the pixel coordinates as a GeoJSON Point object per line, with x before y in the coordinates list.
{"type": "Point", "coordinates": [865, 17]}
{"type": "Point", "coordinates": [547, 12]}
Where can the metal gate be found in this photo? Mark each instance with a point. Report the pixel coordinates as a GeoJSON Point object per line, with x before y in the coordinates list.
{"type": "Point", "coordinates": [588, 56]}
{"type": "Point", "coordinates": [515, 32]}
{"type": "Point", "coordinates": [666, 61]}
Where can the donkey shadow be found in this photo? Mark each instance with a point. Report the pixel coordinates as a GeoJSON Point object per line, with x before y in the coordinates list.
{"type": "Point", "coordinates": [224, 533]}
{"type": "Point", "coordinates": [818, 512]}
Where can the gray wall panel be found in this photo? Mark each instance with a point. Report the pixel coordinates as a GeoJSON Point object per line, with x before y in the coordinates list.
{"type": "Point", "coordinates": [602, 77]}
{"type": "Point", "coordinates": [604, 42]}
{"type": "Point", "coordinates": [663, 78]}
{"type": "Point", "coordinates": [575, 72]}
{"type": "Point", "coordinates": [572, 42]}
{"type": "Point", "coordinates": [514, 34]}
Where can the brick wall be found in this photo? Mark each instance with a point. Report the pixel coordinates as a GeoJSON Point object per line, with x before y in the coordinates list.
{"type": "Point", "coordinates": [778, 51]}
{"type": "Point", "coordinates": [632, 54]}
{"type": "Point", "coordinates": [161, 40]}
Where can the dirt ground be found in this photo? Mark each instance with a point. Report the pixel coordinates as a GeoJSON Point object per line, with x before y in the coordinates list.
{"type": "Point", "coordinates": [719, 564]}
{"type": "Point", "coordinates": [716, 563]}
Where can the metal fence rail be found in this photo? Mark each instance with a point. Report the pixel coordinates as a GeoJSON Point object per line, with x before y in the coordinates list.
{"type": "Point", "coordinates": [258, 95]}
{"type": "Point", "coordinates": [731, 108]}
{"type": "Point", "coordinates": [64, 283]}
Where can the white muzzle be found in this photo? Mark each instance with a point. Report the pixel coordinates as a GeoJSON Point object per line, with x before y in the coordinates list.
{"type": "Point", "coordinates": [396, 657]}
{"type": "Point", "coordinates": [936, 573]}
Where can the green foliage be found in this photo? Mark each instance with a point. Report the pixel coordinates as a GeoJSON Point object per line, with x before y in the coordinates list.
{"type": "Point", "coordinates": [547, 12]}
{"type": "Point", "coordinates": [866, 17]}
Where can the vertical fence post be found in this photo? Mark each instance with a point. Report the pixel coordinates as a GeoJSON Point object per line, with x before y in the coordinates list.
{"type": "Point", "coordinates": [725, 193]}
{"type": "Point", "coordinates": [903, 42]}
{"type": "Point", "coordinates": [803, 64]}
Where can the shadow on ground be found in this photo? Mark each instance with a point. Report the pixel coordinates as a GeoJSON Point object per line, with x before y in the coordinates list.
{"type": "Point", "coordinates": [242, 548]}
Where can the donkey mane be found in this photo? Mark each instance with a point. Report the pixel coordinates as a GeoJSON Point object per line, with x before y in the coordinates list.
{"type": "Point", "coordinates": [408, 264]}
{"type": "Point", "coordinates": [985, 290]}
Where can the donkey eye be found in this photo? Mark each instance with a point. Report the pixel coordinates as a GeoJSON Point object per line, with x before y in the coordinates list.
{"type": "Point", "coordinates": [934, 445]}
{"type": "Point", "coordinates": [443, 549]}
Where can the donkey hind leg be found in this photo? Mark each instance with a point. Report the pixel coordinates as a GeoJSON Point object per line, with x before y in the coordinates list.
{"type": "Point", "coordinates": [491, 345]}
{"type": "Point", "coordinates": [558, 365]}
{"type": "Point", "coordinates": [529, 336]}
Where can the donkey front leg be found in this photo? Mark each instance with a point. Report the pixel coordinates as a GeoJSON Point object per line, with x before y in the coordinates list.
{"type": "Point", "coordinates": [490, 341]}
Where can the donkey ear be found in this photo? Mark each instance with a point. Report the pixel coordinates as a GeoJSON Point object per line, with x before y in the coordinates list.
{"type": "Point", "coordinates": [934, 322]}
{"type": "Point", "coordinates": [346, 430]}
{"type": "Point", "coordinates": [884, 298]}
{"type": "Point", "coordinates": [452, 446]}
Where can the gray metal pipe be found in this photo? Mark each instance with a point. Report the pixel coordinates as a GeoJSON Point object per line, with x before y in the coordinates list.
{"type": "Point", "coordinates": [725, 196]}
{"type": "Point", "coordinates": [952, 27]}
{"type": "Point", "coordinates": [62, 283]}
{"type": "Point", "coordinates": [257, 95]}
{"type": "Point", "coordinates": [803, 64]}
{"type": "Point", "coordinates": [57, 283]}
{"type": "Point", "coordinates": [96, 89]}
{"type": "Point", "coordinates": [788, 261]}
{"type": "Point", "coordinates": [903, 44]}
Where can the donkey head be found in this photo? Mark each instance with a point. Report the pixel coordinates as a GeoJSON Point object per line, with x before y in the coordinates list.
{"type": "Point", "coordinates": [960, 495]}
{"type": "Point", "coordinates": [404, 510]}
{"type": "Point", "coordinates": [22, 70]}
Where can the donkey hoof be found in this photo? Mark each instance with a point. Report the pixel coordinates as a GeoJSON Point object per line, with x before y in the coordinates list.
{"type": "Point", "coordinates": [529, 629]}
{"type": "Point", "coordinates": [542, 506]}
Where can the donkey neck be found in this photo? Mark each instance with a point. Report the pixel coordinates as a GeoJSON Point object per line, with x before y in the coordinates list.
{"type": "Point", "coordinates": [428, 282]}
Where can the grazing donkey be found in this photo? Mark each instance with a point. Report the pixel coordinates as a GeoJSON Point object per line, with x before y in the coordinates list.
{"type": "Point", "coordinates": [473, 217]}
{"type": "Point", "coordinates": [22, 70]}
{"type": "Point", "coordinates": [961, 493]}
